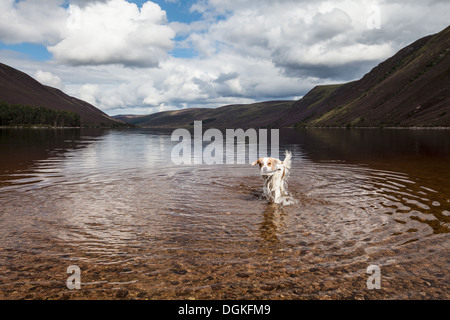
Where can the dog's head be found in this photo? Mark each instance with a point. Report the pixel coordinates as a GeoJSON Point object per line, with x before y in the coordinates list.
{"type": "Point", "coordinates": [268, 166]}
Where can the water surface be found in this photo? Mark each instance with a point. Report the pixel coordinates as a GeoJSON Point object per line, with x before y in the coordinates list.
{"type": "Point", "coordinates": [138, 226]}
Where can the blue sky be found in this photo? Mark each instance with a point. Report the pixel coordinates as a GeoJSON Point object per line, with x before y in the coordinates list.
{"type": "Point", "coordinates": [36, 52]}
{"type": "Point", "coordinates": [144, 56]}
{"type": "Point", "coordinates": [177, 10]}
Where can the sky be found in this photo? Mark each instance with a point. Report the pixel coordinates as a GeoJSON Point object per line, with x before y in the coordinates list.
{"type": "Point", "coordinates": [142, 57]}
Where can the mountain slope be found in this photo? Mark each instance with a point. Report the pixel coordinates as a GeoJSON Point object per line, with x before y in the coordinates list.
{"type": "Point", "coordinates": [412, 88]}
{"type": "Point", "coordinates": [17, 87]}
{"type": "Point", "coordinates": [263, 114]}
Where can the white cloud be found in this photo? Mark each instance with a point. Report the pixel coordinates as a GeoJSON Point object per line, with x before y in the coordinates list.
{"type": "Point", "coordinates": [89, 93]}
{"type": "Point", "coordinates": [114, 32]}
{"type": "Point", "coordinates": [49, 79]}
{"type": "Point", "coordinates": [189, 82]}
{"type": "Point", "coordinates": [295, 34]}
{"type": "Point", "coordinates": [31, 21]}
{"type": "Point", "coordinates": [292, 35]}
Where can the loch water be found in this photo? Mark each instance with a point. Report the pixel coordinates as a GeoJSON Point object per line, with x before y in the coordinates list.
{"type": "Point", "coordinates": [112, 203]}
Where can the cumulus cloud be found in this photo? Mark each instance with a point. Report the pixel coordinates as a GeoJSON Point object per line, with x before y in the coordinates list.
{"type": "Point", "coordinates": [188, 83]}
{"type": "Point", "coordinates": [114, 32]}
{"type": "Point", "coordinates": [326, 39]}
{"type": "Point", "coordinates": [31, 21]}
{"type": "Point", "coordinates": [89, 92]}
{"type": "Point", "coordinates": [49, 79]}
{"type": "Point", "coordinates": [295, 37]}
{"type": "Point", "coordinates": [330, 24]}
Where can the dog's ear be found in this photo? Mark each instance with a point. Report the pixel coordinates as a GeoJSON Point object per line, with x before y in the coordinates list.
{"type": "Point", "coordinates": [256, 162]}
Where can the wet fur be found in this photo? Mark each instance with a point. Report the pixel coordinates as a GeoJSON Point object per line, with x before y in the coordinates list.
{"type": "Point", "coordinates": [275, 174]}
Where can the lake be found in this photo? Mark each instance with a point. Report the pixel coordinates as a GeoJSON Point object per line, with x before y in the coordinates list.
{"type": "Point", "coordinates": [112, 204]}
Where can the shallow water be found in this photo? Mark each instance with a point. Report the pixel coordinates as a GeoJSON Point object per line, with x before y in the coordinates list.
{"type": "Point", "coordinates": [138, 226]}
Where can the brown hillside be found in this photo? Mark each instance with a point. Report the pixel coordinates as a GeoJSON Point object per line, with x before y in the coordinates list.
{"type": "Point", "coordinates": [412, 88]}
{"type": "Point", "coordinates": [256, 115]}
{"type": "Point", "coordinates": [17, 87]}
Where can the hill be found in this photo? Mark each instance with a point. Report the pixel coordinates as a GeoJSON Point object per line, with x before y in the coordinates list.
{"type": "Point", "coordinates": [263, 114]}
{"type": "Point", "coordinates": [18, 88]}
{"type": "Point", "coordinates": [410, 89]}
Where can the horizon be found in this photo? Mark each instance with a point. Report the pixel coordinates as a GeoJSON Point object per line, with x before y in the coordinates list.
{"type": "Point", "coordinates": [204, 54]}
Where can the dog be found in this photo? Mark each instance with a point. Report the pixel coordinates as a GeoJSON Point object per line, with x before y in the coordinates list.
{"type": "Point", "coordinates": [275, 173]}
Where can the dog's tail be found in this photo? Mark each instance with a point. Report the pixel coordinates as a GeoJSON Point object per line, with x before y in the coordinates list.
{"type": "Point", "coordinates": [287, 160]}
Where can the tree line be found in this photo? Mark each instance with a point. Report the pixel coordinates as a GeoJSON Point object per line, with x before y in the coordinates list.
{"type": "Point", "coordinates": [17, 115]}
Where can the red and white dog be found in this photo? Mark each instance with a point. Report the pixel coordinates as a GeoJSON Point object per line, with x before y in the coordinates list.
{"type": "Point", "coordinates": [275, 173]}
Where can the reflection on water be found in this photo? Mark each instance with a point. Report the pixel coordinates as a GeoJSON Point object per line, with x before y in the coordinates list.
{"type": "Point", "coordinates": [140, 227]}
